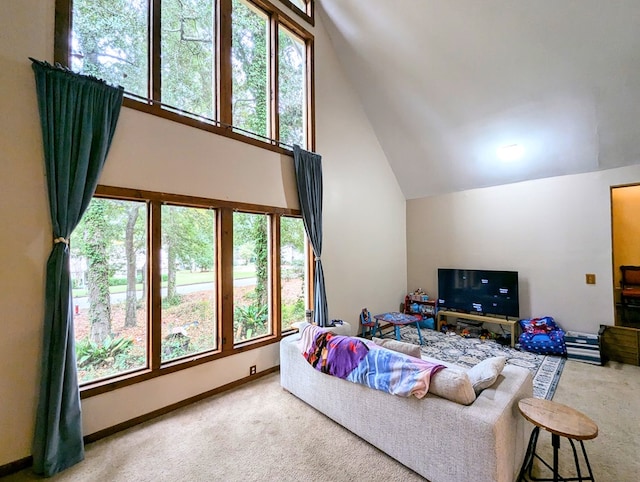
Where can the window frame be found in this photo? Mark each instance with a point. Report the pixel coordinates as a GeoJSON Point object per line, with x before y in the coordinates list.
{"type": "Point", "coordinates": [307, 15]}
{"type": "Point", "coordinates": [224, 284]}
{"type": "Point", "coordinates": [222, 125]}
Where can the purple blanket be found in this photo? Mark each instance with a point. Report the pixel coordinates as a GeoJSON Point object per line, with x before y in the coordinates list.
{"type": "Point", "coordinates": [366, 363]}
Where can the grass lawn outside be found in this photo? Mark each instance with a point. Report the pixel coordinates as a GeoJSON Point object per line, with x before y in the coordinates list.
{"type": "Point", "coordinates": [182, 278]}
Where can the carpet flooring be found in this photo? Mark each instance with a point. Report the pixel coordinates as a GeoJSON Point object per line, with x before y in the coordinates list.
{"type": "Point", "coordinates": [467, 352]}
{"type": "Point", "coordinates": [259, 432]}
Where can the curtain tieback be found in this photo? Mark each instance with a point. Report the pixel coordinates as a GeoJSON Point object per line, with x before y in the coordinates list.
{"type": "Point", "coordinates": [317, 258]}
{"type": "Point", "coordinates": [61, 240]}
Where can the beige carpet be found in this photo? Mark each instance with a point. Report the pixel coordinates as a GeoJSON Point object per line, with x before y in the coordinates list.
{"type": "Point", "coordinates": [259, 432]}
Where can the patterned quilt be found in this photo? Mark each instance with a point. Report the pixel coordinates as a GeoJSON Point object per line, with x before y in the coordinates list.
{"type": "Point", "coordinates": [362, 361]}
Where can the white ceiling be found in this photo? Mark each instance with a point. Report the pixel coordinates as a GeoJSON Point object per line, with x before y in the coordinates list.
{"type": "Point", "coordinates": [446, 82]}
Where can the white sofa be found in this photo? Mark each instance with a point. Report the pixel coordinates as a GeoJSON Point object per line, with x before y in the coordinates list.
{"type": "Point", "coordinates": [439, 439]}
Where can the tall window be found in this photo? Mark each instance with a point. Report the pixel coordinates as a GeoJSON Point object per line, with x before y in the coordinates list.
{"type": "Point", "coordinates": [249, 62]}
{"type": "Point", "coordinates": [109, 41]}
{"type": "Point", "coordinates": [162, 282]}
{"type": "Point", "coordinates": [189, 56]}
{"type": "Point", "coordinates": [188, 281]}
{"type": "Point", "coordinates": [293, 272]}
{"type": "Point", "coordinates": [251, 269]}
{"type": "Point", "coordinates": [291, 93]}
{"type": "Point", "coordinates": [208, 63]}
{"type": "Point", "coordinates": [108, 276]}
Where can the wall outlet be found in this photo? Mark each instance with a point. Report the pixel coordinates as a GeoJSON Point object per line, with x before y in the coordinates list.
{"type": "Point", "coordinates": [252, 370]}
{"type": "Point", "coordinates": [591, 278]}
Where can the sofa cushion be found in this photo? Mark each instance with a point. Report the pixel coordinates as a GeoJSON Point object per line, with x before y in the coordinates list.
{"type": "Point", "coordinates": [454, 385]}
{"type": "Point", "coordinates": [485, 373]}
{"type": "Point", "coordinates": [399, 346]}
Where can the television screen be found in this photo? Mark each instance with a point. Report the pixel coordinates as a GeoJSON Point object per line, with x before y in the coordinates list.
{"type": "Point", "coordinates": [479, 291]}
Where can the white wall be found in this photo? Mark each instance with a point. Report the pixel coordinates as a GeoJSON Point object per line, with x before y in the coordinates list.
{"type": "Point", "coordinates": [364, 253]}
{"type": "Point", "coordinates": [552, 231]}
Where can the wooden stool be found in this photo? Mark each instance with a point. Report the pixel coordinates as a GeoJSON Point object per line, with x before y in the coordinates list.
{"type": "Point", "coordinates": [561, 421]}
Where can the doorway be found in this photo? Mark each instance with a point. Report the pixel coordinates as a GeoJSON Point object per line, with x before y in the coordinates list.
{"type": "Point", "coordinates": [625, 238]}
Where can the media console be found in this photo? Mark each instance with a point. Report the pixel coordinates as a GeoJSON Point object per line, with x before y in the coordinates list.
{"type": "Point", "coordinates": [487, 319]}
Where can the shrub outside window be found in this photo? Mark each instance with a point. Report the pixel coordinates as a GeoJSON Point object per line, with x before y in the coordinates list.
{"type": "Point", "coordinates": [108, 277]}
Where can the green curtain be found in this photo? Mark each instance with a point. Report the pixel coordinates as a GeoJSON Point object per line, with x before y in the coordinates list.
{"type": "Point", "coordinates": [78, 116]}
{"type": "Point", "coordinates": [308, 166]}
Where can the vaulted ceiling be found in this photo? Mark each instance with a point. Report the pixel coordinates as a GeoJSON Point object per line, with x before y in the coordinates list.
{"type": "Point", "coordinates": [445, 83]}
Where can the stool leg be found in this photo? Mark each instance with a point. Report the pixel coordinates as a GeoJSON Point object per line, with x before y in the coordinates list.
{"type": "Point", "coordinates": [575, 458]}
{"type": "Point", "coordinates": [527, 463]}
{"type": "Point", "coordinates": [555, 441]}
{"type": "Point", "coordinates": [419, 332]}
{"type": "Point", "coordinates": [586, 459]}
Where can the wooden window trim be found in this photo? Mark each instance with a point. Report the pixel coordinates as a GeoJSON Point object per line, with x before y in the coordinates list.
{"type": "Point", "coordinates": [308, 16]}
{"type": "Point", "coordinates": [224, 253]}
{"type": "Point", "coordinates": [223, 124]}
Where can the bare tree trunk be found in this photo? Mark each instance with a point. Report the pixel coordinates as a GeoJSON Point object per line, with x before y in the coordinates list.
{"type": "Point", "coordinates": [171, 273]}
{"type": "Point", "coordinates": [131, 299]}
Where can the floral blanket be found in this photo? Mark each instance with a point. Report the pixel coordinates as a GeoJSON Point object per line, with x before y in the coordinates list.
{"type": "Point", "coordinates": [364, 362]}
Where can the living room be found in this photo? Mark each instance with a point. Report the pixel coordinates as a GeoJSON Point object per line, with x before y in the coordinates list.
{"type": "Point", "coordinates": [379, 242]}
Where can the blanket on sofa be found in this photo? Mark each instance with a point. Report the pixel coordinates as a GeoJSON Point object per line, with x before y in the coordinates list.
{"type": "Point", "coordinates": [368, 364]}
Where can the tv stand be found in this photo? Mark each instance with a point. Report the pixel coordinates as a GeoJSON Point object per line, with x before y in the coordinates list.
{"type": "Point", "coordinates": [486, 319]}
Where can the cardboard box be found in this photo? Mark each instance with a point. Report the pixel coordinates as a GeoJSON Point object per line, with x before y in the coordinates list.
{"type": "Point", "coordinates": [584, 347]}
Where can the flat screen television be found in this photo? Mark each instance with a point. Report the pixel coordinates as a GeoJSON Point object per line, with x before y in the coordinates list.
{"type": "Point", "coordinates": [479, 291]}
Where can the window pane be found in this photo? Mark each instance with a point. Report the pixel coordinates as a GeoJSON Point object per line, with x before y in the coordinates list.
{"type": "Point", "coordinates": [292, 91]}
{"type": "Point", "coordinates": [108, 276]}
{"type": "Point", "coordinates": [293, 271]}
{"type": "Point", "coordinates": [301, 4]}
{"type": "Point", "coordinates": [251, 293]}
{"type": "Point", "coordinates": [109, 41]}
{"type": "Point", "coordinates": [249, 63]}
{"type": "Point", "coordinates": [188, 56]}
{"type": "Point", "coordinates": [189, 322]}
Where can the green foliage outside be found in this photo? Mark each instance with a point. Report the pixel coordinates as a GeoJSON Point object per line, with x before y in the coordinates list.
{"type": "Point", "coordinates": [110, 42]}
{"type": "Point", "coordinates": [97, 354]}
{"type": "Point", "coordinates": [250, 321]}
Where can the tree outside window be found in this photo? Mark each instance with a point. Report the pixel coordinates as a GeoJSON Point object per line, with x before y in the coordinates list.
{"type": "Point", "coordinates": [108, 266]}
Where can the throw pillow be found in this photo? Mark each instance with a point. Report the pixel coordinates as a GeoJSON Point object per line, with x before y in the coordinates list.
{"type": "Point", "coordinates": [485, 373]}
{"type": "Point", "coordinates": [399, 346]}
{"type": "Point", "coordinates": [538, 325]}
{"type": "Point", "coordinates": [454, 385]}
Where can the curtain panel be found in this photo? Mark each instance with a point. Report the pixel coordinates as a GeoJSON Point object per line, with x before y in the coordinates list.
{"type": "Point", "coordinates": [308, 167]}
{"type": "Point", "coordinates": [78, 115]}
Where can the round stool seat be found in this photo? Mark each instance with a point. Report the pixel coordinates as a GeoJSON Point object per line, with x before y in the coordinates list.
{"type": "Point", "coordinates": [558, 418]}
{"type": "Point", "coordinates": [561, 421]}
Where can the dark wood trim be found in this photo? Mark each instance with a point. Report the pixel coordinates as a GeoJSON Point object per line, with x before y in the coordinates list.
{"type": "Point", "coordinates": [276, 278]}
{"type": "Point", "coordinates": [274, 86]}
{"type": "Point", "coordinates": [223, 124]}
{"type": "Point", "coordinates": [311, 96]}
{"type": "Point", "coordinates": [154, 43]}
{"type": "Point", "coordinates": [61, 53]}
{"type": "Point", "coordinates": [154, 348]}
{"type": "Point", "coordinates": [224, 73]}
{"type": "Point", "coordinates": [308, 16]}
{"type": "Point", "coordinates": [158, 111]}
{"type": "Point", "coordinates": [224, 255]}
{"type": "Point", "coordinates": [26, 462]}
{"type": "Point", "coordinates": [225, 275]}
{"type": "Point", "coordinates": [16, 466]}
{"type": "Point", "coordinates": [170, 408]}
{"type": "Point", "coordinates": [191, 201]}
